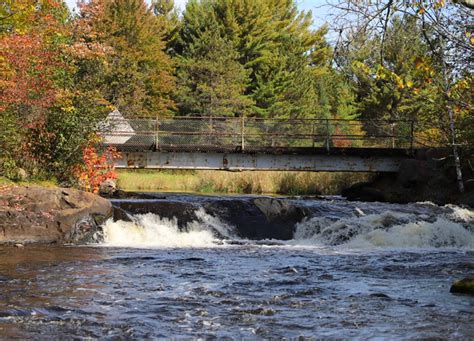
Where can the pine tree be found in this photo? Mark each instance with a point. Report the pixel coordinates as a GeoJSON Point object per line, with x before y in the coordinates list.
{"type": "Point", "coordinates": [212, 81]}
{"type": "Point", "coordinates": [274, 42]}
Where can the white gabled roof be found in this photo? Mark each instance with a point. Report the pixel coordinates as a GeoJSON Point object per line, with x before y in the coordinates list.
{"type": "Point", "coordinates": [118, 129]}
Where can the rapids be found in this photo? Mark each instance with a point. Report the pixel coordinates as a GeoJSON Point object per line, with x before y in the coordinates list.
{"type": "Point", "coordinates": [351, 270]}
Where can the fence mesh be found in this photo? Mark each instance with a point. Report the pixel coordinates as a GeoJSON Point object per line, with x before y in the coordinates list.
{"type": "Point", "coordinates": [254, 134]}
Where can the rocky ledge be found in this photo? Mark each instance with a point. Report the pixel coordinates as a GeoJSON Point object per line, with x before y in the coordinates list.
{"type": "Point", "coordinates": [418, 180]}
{"type": "Point", "coordinates": [35, 214]}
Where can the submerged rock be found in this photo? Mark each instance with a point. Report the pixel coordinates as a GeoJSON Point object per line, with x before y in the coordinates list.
{"type": "Point", "coordinates": [463, 286]}
{"type": "Point", "coordinates": [32, 214]}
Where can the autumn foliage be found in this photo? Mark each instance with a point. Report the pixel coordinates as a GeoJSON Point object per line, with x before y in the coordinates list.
{"type": "Point", "coordinates": [27, 67]}
{"type": "Point", "coordinates": [97, 168]}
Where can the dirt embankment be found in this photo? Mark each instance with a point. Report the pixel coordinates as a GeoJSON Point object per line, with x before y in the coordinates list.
{"type": "Point", "coordinates": [35, 214]}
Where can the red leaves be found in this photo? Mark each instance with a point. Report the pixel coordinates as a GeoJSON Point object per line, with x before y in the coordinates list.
{"type": "Point", "coordinates": [97, 168]}
{"type": "Point", "coordinates": [28, 69]}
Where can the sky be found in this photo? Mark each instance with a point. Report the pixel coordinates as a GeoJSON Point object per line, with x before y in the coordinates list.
{"type": "Point", "coordinates": [317, 6]}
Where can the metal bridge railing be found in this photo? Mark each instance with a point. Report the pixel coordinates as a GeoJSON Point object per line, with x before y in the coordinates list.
{"type": "Point", "coordinates": [255, 134]}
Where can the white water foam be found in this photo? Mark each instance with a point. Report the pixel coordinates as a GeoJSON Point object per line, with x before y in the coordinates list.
{"type": "Point", "coordinates": [389, 230]}
{"type": "Point", "coordinates": [150, 230]}
{"type": "Point", "coordinates": [454, 228]}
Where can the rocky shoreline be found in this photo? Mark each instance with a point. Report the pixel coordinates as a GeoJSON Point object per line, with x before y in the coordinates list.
{"type": "Point", "coordinates": [35, 214]}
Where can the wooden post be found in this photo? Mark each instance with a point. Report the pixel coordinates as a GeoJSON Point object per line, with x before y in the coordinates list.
{"type": "Point", "coordinates": [314, 130]}
{"type": "Point", "coordinates": [412, 133]}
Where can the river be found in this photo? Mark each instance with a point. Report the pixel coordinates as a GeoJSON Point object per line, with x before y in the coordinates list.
{"type": "Point", "coordinates": [351, 270]}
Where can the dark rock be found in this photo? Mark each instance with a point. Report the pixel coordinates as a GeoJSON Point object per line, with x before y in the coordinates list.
{"type": "Point", "coordinates": [30, 214]}
{"type": "Point", "coordinates": [413, 172]}
{"type": "Point", "coordinates": [121, 214]}
{"type": "Point", "coordinates": [463, 286]}
{"type": "Point", "coordinates": [363, 192]}
{"type": "Point", "coordinates": [425, 179]}
{"type": "Point", "coordinates": [381, 295]}
{"type": "Point", "coordinates": [469, 185]}
{"type": "Point", "coordinates": [261, 218]}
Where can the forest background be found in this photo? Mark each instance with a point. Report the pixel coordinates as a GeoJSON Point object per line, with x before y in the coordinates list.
{"type": "Point", "coordinates": [61, 73]}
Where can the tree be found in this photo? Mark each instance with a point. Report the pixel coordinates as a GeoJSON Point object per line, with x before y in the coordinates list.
{"type": "Point", "coordinates": [49, 116]}
{"type": "Point", "coordinates": [274, 42]}
{"type": "Point", "coordinates": [212, 81]}
{"type": "Point", "coordinates": [444, 29]}
{"type": "Point", "coordinates": [137, 76]}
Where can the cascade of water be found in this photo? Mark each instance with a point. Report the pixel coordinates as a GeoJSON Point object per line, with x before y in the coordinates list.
{"type": "Point", "coordinates": [423, 227]}
{"type": "Point", "coordinates": [390, 229]}
{"type": "Point", "coordinates": [150, 230]}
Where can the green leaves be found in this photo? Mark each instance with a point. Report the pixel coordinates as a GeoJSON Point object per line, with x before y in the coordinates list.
{"type": "Point", "coordinates": [270, 40]}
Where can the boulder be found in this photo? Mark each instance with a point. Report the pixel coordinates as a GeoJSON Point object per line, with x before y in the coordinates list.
{"type": "Point", "coordinates": [32, 213]}
{"type": "Point", "coordinates": [463, 286]}
{"type": "Point", "coordinates": [108, 188]}
{"type": "Point", "coordinates": [22, 175]}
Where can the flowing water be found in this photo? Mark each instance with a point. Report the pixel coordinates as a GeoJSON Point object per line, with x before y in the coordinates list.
{"type": "Point", "coordinates": [352, 270]}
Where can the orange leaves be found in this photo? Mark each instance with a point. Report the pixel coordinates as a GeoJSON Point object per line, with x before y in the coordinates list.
{"type": "Point", "coordinates": [97, 168]}
{"type": "Point", "coordinates": [30, 53]}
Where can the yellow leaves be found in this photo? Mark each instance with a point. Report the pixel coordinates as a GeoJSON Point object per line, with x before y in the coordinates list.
{"type": "Point", "coordinates": [362, 67]}
{"type": "Point", "coordinates": [439, 3]}
{"type": "Point", "coordinates": [383, 73]}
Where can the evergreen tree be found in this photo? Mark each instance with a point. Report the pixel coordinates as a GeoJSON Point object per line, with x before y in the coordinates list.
{"type": "Point", "coordinates": [212, 81]}
{"type": "Point", "coordinates": [166, 12]}
{"type": "Point", "coordinates": [274, 42]}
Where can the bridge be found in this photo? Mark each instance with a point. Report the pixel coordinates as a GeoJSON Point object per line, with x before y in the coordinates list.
{"type": "Point", "coordinates": [236, 144]}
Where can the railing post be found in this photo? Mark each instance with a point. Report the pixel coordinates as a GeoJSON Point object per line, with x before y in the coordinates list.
{"type": "Point", "coordinates": [412, 133]}
{"type": "Point", "coordinates": [212, 140]}
{"type": "Point", "coordinates": [157, 134]}
{"type": "Point", "coordinates": [242, 132]}
{"type": "Point", "coordinates": [393, 135]}
{"type": "Point", "coordinates": [327, 136]}
{"type": "Point", "coordinates": [314, 130]}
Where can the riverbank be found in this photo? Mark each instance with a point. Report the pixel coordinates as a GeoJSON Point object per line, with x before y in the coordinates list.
{"type": "Point", "coordinates": [417, 181]}
{"type": "Point", "coordinates": [222, 182]}
{"type": "Point", "coordinates": [38, 214]}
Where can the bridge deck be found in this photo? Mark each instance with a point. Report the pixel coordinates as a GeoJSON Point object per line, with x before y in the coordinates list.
{"type": "Point", "coordinates": [258, 144]}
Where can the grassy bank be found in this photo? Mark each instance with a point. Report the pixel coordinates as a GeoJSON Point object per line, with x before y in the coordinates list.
{"type": "Point", "coordinates": [257, 182]}
{"type": "Point", "coordinates": [44, 183]}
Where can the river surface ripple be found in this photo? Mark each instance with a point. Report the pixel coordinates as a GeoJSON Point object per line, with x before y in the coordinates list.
{"type": "Point", "coordinates": [234, 290]}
